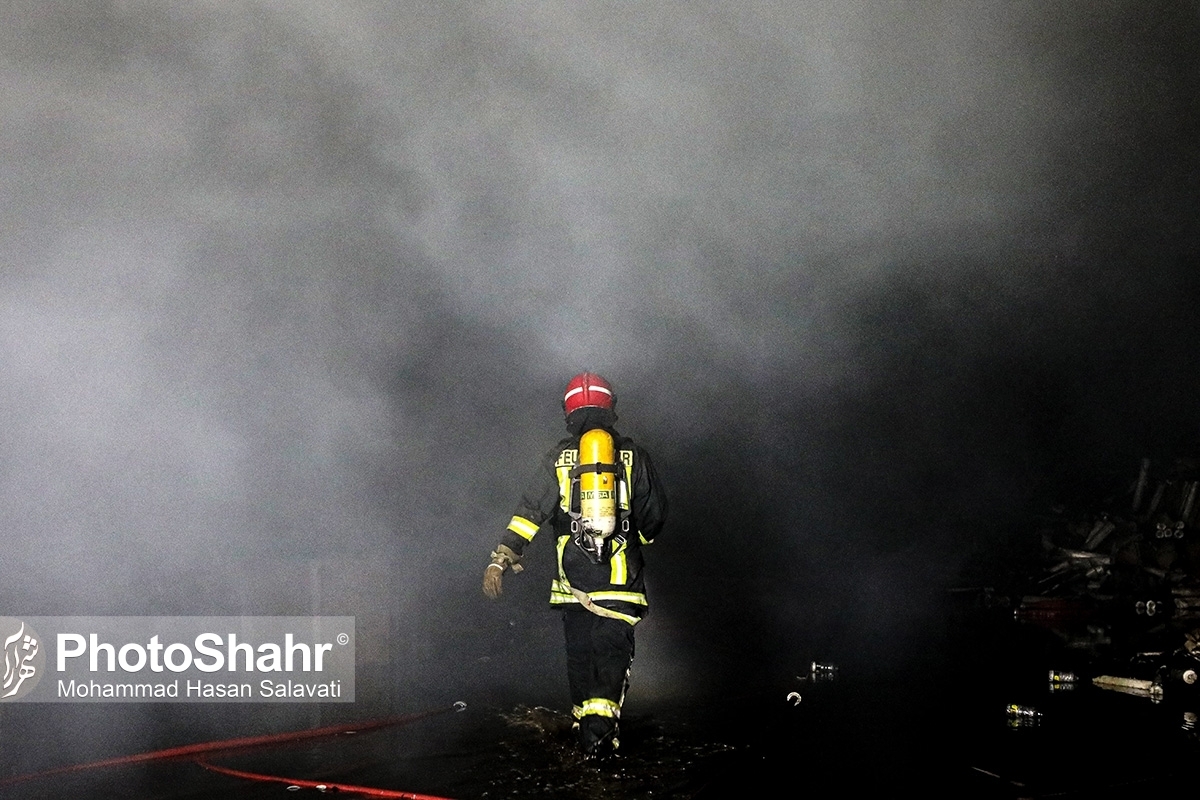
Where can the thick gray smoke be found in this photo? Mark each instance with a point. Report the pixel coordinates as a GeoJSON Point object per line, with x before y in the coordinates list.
{"type": "Point", "coordinates": [290, 290]}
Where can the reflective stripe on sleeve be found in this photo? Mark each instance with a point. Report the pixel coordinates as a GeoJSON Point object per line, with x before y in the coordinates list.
{"type": "Point", "coordinates": [523, 528]}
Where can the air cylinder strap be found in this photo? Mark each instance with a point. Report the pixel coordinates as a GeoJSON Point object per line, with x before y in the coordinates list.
{"type": "Point", "coordinates": [582, 468]}
{"type": "Point", "coordinates": [591, 606]}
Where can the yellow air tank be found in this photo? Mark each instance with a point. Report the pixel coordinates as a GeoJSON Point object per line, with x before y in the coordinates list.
{"type": "Point", "coordinates": [598, 483]}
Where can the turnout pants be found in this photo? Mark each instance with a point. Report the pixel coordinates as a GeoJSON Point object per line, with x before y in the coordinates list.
{"type": "Point", "coordinates": [599, 654]}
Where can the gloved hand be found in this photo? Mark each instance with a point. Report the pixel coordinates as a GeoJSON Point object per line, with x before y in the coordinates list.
{"type": "Point", "coordinates": [493, 580]}
{"type": "Point", "coordinates": [503, 557]}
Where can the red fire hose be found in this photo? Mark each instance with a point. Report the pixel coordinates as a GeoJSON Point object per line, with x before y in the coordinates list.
{"type": "Point", "coordinates": [322, 786]}
{"type": "Point", "coordinates": [194, 752]}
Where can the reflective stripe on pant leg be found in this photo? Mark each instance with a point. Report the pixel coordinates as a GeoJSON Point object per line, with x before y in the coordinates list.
{"type": "Point", "coordinates": [601, 707]}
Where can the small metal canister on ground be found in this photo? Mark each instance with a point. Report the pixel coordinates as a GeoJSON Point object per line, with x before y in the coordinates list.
{"type": "Point", "coordinates": [1023, 716]}
{"type": "Point", "coordinates": [822, 672]}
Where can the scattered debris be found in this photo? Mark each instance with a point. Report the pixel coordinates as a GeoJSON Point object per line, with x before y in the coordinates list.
{"type": "Point", "coordinates": [1133, 686]}
{"type": "Point", "coordinates": [1117, 577]}
{"type": "Point", "coordinates": [544, 721]}
{"type": "Point", "coordinates": [822, 672]}
{"type": "Point", "coordinates": [1022, 716]}
{"type": "Point", "coordinates": [1062, 681]}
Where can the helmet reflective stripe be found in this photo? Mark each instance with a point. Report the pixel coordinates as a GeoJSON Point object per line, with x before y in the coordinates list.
{"type": "Point", "coordinates": [588, 390]}
{"type": "Point", "coordinates": [579, 389]}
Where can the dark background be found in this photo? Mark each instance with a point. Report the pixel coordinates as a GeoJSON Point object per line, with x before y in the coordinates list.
{"type": "Point", "coordinates": [289, 293]}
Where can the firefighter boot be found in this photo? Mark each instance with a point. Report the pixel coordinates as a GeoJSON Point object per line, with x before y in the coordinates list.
{"type": "Point", "coordinates": [597, 736]}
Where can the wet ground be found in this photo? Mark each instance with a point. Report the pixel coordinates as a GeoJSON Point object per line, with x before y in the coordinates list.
{"type": "Point", "coordinates": [936, 725]}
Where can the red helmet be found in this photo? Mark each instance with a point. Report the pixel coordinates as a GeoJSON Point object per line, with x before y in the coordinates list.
{"type": "Point", "coordinates": [587, 389]}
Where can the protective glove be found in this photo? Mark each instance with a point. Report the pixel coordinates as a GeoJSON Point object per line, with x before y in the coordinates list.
{"type": "Point", "coordinates": [493, 580]}
{"type": "Point", "coordinates": [503, 557]}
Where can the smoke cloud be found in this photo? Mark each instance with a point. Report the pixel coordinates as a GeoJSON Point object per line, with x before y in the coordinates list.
{"type": "Point", "coordinates": [290, 290]}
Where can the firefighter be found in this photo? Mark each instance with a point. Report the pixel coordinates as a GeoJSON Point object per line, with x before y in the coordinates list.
{"type": "Point", "coordinates": [598, 494]}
